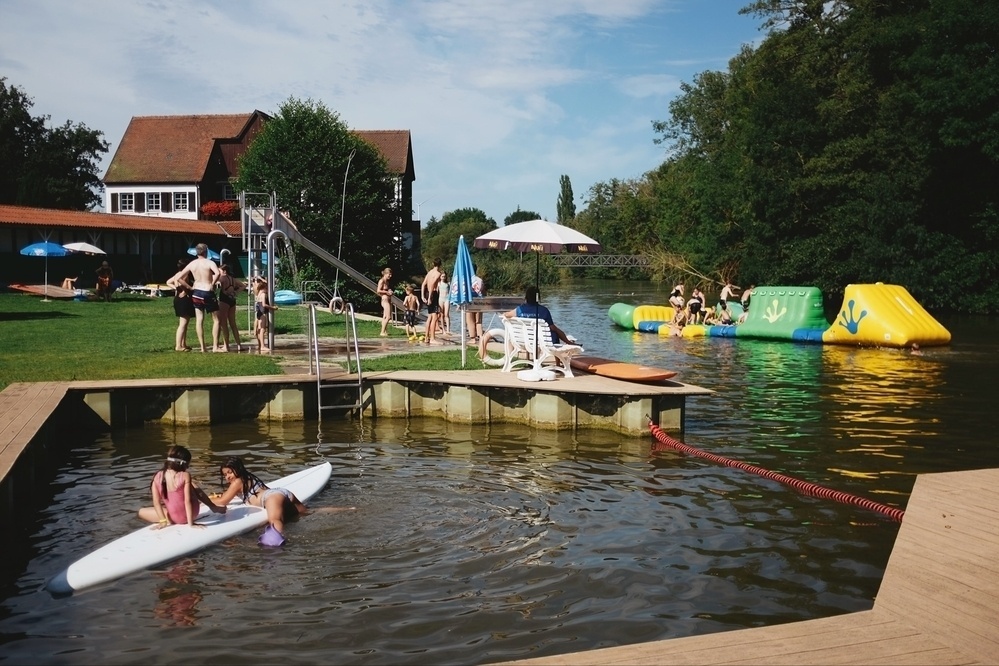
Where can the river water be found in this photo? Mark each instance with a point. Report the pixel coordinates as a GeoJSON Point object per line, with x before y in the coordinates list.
{"type": "Point", "coordinates": [477, 544]}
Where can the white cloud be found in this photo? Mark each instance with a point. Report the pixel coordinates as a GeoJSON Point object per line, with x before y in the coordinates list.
{"type": "Point", "coordinates": [501, 98]}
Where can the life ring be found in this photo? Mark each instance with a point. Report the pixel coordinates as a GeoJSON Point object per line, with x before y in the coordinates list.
{"type": "Point", "coordinates": [336, 305]}
{"type": "Point", "coordinates": [488, 336]}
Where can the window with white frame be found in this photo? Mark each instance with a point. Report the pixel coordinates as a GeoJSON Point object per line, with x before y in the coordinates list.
{"type": "Point", "coordinates": [228, 193]}
{"type": "Point", "coordinates": [153, 202]}
{"type": "Point", "coordinates": [127, 202]}
{"type": "Point", "coordinates": [180, 201]}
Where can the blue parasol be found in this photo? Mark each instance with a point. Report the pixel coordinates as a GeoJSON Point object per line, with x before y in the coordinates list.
{"type": "Point", "coordinates": [212, 254]}
{"type": "Point", "coordinates": [46, 250]}
{"type": "Point", "coordinates": [462, 292]}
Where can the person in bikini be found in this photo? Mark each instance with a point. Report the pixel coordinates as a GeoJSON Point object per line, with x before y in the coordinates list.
{"type": "Point", "coordinates": [384, 290]}
{"type": "Point", "coordinates": [280, 503]}
{"type": "Point", "coordinates": [228, 288]}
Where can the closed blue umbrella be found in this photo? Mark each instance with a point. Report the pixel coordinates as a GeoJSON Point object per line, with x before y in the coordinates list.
{"type": "Point", "coordinates": [461, 288]}
{"type": "Point", "coordinates": [46, 250]}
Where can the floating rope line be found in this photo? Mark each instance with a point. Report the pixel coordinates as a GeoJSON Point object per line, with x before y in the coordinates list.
{"type": "Point", "coordinates": [806, 487]}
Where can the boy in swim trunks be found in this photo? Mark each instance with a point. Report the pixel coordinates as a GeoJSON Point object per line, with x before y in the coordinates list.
{"type": "Point", "coordinates": [263, 309]}
{"type": "Point", "coordinates": [205, 275]}
{"type": "Point", "coordinates": [428, 292]}
{"type": "Point", "coordinates": [412, 304]}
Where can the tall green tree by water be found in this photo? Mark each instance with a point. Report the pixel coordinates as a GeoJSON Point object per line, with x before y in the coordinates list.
{"type": "Point", "coordinates": [857, 142]}
{"type": "Point", "coordinates": [566, 204]}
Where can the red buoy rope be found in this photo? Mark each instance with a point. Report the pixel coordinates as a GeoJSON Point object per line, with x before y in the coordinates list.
{"type": "Point", "coordinates": [806, 487]}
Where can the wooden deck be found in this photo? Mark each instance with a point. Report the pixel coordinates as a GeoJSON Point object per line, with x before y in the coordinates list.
{"type": "Point", "coordinates": [25, 408]}
{"type": "Point", "coordinates": [938, 602]}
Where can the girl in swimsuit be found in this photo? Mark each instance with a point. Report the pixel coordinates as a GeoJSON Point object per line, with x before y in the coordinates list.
{"type": "Point", "coordinates": [280, 503]}
{"type": "Point", "coordinates": [261, 307]}
{"type": "Point", "coordinates": [176, 498]}
{"type": "Point", "coordinates": [228, 286]}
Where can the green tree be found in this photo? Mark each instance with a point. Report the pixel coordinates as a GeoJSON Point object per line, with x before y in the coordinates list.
{"type": "Point", "coordinates": [520, 216]}
{"type": "Point", "coordinates": [566, 204]}
{"type": "Point", "coordinates": [302, 154]}
{"type": "Point", "coordinates": [856, 143]}
{"type": "Point", "coordinates": [46, 167]}
{"type": "Point", "coordinates": [440, 237]}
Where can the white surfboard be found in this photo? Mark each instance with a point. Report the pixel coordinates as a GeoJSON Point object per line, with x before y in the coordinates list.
{"type": "Point", "coordinates": [148, 546]}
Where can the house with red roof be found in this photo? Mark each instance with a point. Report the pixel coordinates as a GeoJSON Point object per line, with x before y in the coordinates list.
{"type": "Point", "coordinates": [164, 170]}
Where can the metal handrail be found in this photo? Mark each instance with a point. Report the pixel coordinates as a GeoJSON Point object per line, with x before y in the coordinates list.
{"type": "Point", "coordinates": [350, 340]}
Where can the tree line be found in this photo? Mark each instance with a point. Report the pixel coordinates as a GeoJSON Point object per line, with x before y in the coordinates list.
{"type": "Point", "coordinates": [857, 142]}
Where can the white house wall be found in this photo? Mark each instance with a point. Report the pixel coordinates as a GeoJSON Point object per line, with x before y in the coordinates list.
{"type": "Point", "coordinates": [194, 205]}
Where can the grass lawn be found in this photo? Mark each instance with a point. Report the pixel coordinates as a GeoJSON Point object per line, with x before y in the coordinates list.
{"type": "Point", "coordinates": [133, 338]}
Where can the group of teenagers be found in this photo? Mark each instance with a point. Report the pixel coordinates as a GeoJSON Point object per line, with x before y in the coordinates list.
{"type": "Point", "coordinates": [435, 294]}
{"type": "Point", "coordinates": [177, 499]}
{"type": "Point", "coordinates": [696, 311]}
{"type": "Point", "coordinates": [203, 287]}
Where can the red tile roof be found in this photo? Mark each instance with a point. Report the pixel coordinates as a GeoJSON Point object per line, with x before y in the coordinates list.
{"type": "Point", "coordinates": [50, 217]}
{"type": "Point", "coordinates": [176, 149]}
{"type": "Point", "coordinates": [172, 149]}
{"type": "Point", "coordinates": [395, 147]}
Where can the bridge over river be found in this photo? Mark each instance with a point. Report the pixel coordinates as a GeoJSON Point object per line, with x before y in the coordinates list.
{"type": "Point", "coordinates": [602, 260]}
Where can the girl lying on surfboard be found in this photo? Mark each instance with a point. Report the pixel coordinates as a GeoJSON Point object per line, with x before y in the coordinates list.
{"type": "Point", "coordinates": [176, 498]}
{"type": "Point", "coordinates": [280, 503]}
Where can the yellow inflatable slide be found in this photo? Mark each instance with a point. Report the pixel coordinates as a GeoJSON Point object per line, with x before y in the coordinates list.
{"type": "Point", "coordinates": [883, 315]}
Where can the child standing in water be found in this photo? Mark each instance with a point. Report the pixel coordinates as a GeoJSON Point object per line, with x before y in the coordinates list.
{"type": "Point", "coordinates": [280, 503]}
{"type": "Point", "coordinates": [262, 308]}
{"type": "Point", "coordinates": [176, 498]}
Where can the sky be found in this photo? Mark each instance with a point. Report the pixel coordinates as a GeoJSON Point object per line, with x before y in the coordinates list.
{"type": "Point", "coordinates": [502, 97]}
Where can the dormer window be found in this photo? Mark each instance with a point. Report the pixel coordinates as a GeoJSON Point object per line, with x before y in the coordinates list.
{"type": "Point", "coordinates": [153, 202]}
{"type": "Point", "coordinates": [127, 202]}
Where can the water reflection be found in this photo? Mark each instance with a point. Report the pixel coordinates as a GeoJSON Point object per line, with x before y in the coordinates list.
{"type": "Point", "coordinates": [178, 595]}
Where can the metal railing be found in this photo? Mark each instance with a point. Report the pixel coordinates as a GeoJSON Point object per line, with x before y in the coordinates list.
{"type": "Point", "coordinates": [352, 346]}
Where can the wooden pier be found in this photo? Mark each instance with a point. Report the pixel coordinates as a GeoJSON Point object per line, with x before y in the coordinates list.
{"type": "Point", "coordinates": [938, 602]}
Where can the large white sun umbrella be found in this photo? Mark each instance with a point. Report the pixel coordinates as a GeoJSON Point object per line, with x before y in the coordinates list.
{"type": "Point", "coordinates": [540, 237]}
{"type": "Point", "coordinates": [46, 249]}
{"type": "Point", "coordinates": [85, 248]}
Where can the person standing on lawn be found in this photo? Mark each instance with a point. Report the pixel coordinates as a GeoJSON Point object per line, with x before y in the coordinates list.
{"type": "Point", "coordinates": [428, 292]}
{"type": "Point", "coordinates": [205, 275]}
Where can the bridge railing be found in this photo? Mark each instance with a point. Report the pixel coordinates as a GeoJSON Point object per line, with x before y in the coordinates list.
{"type": "Point", "coordinates": [601, 260]}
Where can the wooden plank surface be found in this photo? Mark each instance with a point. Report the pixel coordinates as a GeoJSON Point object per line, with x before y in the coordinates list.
{"type": "Point", "coordinates": [938, 602]}
{"type": "Point", "coordinates": [51, 291]}
{"type": "Point", "coordinates": [24, 409]}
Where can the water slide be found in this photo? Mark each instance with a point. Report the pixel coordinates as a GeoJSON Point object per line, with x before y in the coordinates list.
{"type": "Point", "coordinates": [785, 313]}
{"type": "Point", "coordinates": [872, 315]}
{"type": "Point", "coordinates": [884, 315]}
{"type": "Point", "coordinates": [283, 224]}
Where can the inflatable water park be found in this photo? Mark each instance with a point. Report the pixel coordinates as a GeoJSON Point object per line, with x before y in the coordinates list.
{"type": "Point", "coordinates": [872, 315]}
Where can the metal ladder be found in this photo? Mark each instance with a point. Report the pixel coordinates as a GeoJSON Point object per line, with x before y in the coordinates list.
{"type": "Point", "coordinates": [314, 365]}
